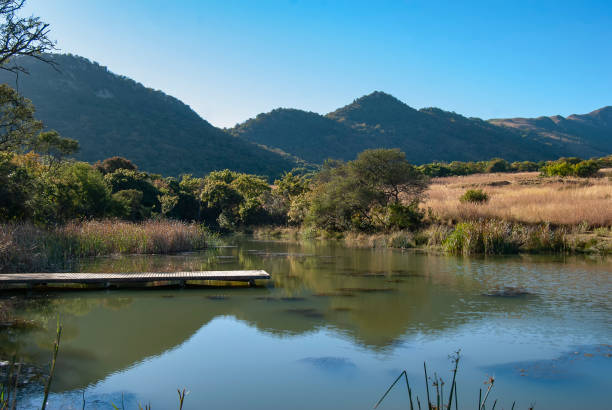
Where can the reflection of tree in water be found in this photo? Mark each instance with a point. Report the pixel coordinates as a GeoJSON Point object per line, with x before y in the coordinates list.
{"type": "Point", "coordinates": [374, 297]}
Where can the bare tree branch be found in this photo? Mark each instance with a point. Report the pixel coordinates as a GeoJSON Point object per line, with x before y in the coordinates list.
{"type": "Point", "coordinates": [22, 36]}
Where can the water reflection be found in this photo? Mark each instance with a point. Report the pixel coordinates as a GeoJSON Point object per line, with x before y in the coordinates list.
{"type": "Point", "coordinates": [377, 299]}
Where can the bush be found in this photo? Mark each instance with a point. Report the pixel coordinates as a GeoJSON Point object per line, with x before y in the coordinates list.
{"type": "Point", "coordinates": [586, 169]}
{"type": "Point", "coordinates": [404, 216]}
{"type": "Point", "coordinates": [483, 237]}
{"type": "Point", "coordinates": [497, 165]}
{"type": "Point", "coordinates": [476, 196]}
{"type": "Point", "coordinates": [571, 167]}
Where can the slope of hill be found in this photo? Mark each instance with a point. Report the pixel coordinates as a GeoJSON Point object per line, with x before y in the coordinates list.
{"type": "Point", "coordinates": [430, 134]}
{"type": "Point", "coordinates": [113, 115]}
{"type": "Point", "coordinates": [593, 130]}
{"type": "Point", "coordinates": [313, 136]}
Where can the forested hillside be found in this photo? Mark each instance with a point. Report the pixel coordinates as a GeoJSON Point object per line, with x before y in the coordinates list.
{"type": "Point", "coordinates": [113, 115]}
{"type": "Point", "coordinates": [379, 120]}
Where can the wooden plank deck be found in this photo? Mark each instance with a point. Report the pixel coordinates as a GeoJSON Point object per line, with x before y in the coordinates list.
{"type": "Point", "coordinates": [142, 277]}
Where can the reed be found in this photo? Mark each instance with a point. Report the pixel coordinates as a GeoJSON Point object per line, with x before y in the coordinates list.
{"type": "Point", "coordinates": [26, 247]}
{"type": "Point", "coordinates": [56, 345]}
{"type": "Point", "coordinates": [440, 400]}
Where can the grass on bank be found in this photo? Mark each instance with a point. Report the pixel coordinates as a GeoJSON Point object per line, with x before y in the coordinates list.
{"type": "Point", "coordinates": [26, 247]}
{"type": "Point", "coordinates": [498, 214]}
{"type": "Point", "coordinates": [485, 236]}
{"type": "Point", "coordinates": [524, 197]}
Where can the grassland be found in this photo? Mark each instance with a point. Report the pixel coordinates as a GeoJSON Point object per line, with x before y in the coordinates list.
{"type": "Point", "coordinates": [525, 212]}
{"type": "Point", "coordinates": [524, 198]}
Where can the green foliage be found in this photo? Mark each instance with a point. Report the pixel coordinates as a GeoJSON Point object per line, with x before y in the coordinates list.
{"type": "Point", "coordinates": [113, 115]}
{"type": "Point", "coordinates": [400, 216]}
{"type": "Point", "coordinates": [220, 195]}
{"type": "Point", "coordinates": [17, 186]}
{"type": "Point", "coordinates": [124, 179]}
{"type": "Point", "coordinates": [525, 166]}
{"type": "Point", "coordinates": [386, 173]}
{"type": "Point", "coordinates": [561, 168]}
{"type": "Point", "coordinates": [497, 165]}
{"type": "Point", "coordinates": [482, 237]}
{"type": "Point", "coordinates": [79, 192]}
{"type": "Point", "coordinates": [18, 127]}
{"type": "Point", "coordinates": [51, 144]}
{"type": "Point", "coordinates": [110, 165]}
{"type": "Point", "coordinates": [501, 237]}
{"type": "Point", "coordinates": [128, 205]}
{"type": "Point", "coordinates": [564, 167]}
{"type": "Point", "coordinates": [363, 195]}
{"type": "Point", "coordinates": [232, 199]}
{"type": "Point", "coordinates": [476, 196]}
{"type": "Point", "coordinates": [586, 169]}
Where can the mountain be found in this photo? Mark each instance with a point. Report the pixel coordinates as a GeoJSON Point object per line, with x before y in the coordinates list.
{"type": "Point", "coordinates": [429, 134]}
{"type": "Point", "coordinates": [113, 115]}
{"type": "Point", "coordinates": [592, 130]}
{"type": "Point", "coordinates": [308, 135]}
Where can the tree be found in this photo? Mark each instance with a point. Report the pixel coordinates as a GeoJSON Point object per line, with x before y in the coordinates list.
{"type": "Point", "coordinates": [55, 147]}
{"type": "Point", "coordinates": [387, 172]}
{"type": "Point", "coordinates": [125, 179]}
{"type": "Point", "coordinates": [18, 127]}
{"type": "Point", "coordinates": [110, 165]}
{"type": "Point", "coordinates": [586, 169]}
{"type": "Point", "coordinates": [379, 190]}
{"type": "Point", "coordinates": [17, 186]}
{"type": "Point", "coordinates": [21, 36]}
{"type": "Point", "coordinates": [498, 165]}
{"type": "Point", "coordinates": [79, 191]}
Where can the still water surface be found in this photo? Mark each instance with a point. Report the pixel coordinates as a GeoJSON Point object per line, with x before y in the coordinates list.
{"type": "Point", "coordinates": [331, 330]}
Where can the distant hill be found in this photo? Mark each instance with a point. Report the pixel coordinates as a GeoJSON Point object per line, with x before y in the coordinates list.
{"type": "Point", "coordinates": [593, 131]}
{"type": "Point", "coordinates": [113, 115]}
{"type": "Point", "coordinates": [429, 134]}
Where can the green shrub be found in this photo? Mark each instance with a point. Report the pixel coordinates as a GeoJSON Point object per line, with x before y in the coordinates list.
{"type": "Point", "coordinates": [404, 216]}
{"type": "Point", "coordinates": [476, 196]}
{"type": "Point", "coordinates": [571, 167]}
{"type": "Point", "coordinates": [498, 165]}
{"type": "Point", "coordinates": [586, 169]}
{"type": "Point", "coordinates": [483, 237]}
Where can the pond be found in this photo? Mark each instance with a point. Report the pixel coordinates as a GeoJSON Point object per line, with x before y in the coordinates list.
{"type": "Point", "coordinates": [332, 329]}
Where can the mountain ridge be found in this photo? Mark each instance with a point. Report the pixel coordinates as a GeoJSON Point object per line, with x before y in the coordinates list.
{"type": "Point", "coordinates": [380, 120]}
{"type": "Point", "coordinates": [110, 114]}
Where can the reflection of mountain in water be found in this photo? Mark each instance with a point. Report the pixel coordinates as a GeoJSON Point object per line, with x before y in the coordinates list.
{"type": "Point", "coordinates": [373, 297]}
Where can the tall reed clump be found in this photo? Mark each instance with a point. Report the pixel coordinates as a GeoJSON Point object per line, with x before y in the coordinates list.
{"type": "Point", "coordinates": [25, 247]}
{"type": "Point", "coordinates": [495, 237]}
{"type": "Point", "coordinates": [107, 237]}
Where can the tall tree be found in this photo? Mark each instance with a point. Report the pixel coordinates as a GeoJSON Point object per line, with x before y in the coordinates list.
{"type": "Point", "coordinates": [18, 127]}
{"type": "Point", "coordinates": [21, 36]}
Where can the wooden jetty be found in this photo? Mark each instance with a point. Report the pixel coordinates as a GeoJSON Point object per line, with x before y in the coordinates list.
{"type": "Point", "coordinates": [108, 279]}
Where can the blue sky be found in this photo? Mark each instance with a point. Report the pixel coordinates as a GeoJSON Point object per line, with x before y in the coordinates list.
{"type": "Point", "coordinates": [230, 60]}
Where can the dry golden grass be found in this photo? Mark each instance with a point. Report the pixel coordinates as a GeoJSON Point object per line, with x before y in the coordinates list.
{"type": "Point", "coordinates": [24, 246]}
{"type": "Point", "coordinates": [525, 197]}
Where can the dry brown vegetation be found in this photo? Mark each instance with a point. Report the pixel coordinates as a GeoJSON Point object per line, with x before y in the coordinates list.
{"type": "Point", "coordinates": [23, 246]}
{"type": "Point", "coordinates": [524, 197]}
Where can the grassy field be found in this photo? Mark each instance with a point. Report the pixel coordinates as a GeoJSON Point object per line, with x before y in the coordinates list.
{"type": "Point", "coordinates": [525, 198]}
{"type": "Point", "coordinates": [524, 213]}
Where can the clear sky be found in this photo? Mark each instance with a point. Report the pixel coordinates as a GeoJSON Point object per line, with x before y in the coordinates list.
{"type": "Point", "coordinates": [230, 60]}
